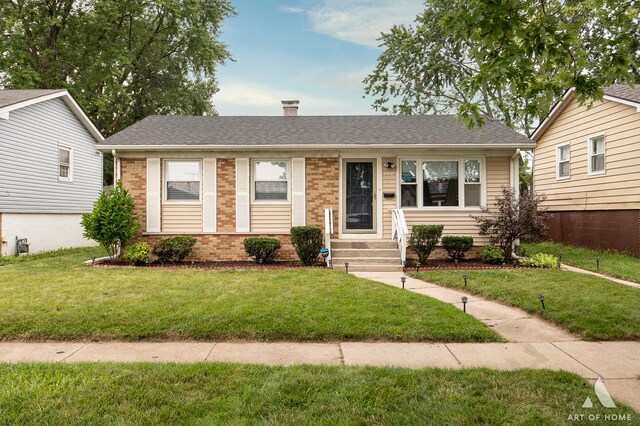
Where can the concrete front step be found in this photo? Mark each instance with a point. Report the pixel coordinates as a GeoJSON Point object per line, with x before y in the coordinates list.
{"type": "Point", "coordinates": [363, 244]}
{"type": "Point", "coordinates": [365, 253]}
{"type": "Point", "coordinates": [368, 267]}
{"type": "Point", "coordinates": [367, 260]}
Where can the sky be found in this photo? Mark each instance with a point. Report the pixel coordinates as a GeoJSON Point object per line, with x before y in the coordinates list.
{"type": "Point", "coordinates": [315, 51]}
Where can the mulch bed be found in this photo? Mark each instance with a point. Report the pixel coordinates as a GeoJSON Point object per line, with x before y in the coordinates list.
{"type": "Point", "coordinates": [237, 265]}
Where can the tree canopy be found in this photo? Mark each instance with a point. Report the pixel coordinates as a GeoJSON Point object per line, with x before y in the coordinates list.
{"type": "Point", "coordinates": [121, 60]}
{"type": "Point", "coordinates": [509, 60]}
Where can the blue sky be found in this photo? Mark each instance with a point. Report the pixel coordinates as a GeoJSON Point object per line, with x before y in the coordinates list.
{"type": "Point", "coordinates": [315, 51]}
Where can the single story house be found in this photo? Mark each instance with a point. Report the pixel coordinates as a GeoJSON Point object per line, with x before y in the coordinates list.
{"type": "Point", "coordinates": [223, 179]}
{"type": "Point", "coordinates": [587, 162]}
{"type": "Point", "coordinates": [50, 170]}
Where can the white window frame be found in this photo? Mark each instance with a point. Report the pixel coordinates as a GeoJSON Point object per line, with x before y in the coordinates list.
{"type": "Point", "coordinates": [558, 160]}
{"type": "Point", "coordinates": [401, 183]}
{"type": "Point", "coordinates": [70, 149]}
{"type": "Point", "coordinates": [164, 180]}
{"type": "Point", "coordinates": [461, 201]}
{"type": "Point", "coordinates": [604, 154]}
{"type": "Point", "coordinates": [253, 180]}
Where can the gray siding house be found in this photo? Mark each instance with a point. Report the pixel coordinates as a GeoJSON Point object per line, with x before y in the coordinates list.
{"type": "Point", "coordinates": [50, 170]}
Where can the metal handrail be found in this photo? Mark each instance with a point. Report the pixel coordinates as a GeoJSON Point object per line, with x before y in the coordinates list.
{"type": "Point", "coordinates": [328, 232]}
{"type": "Point", "coordinates": [400, 232]}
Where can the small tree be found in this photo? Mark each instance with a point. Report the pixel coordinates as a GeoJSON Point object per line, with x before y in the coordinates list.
{"type": "Point", "coordinates": [514, 217]}
{"type": "Point", "coordinates": [113, 222]}
{"type": "Point", "coordinates": [423, 239]}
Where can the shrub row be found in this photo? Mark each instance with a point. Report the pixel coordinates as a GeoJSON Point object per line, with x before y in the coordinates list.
{"type": "Point", "coordinates": [167, 250]}
{"type": "Point", "coordinates": [424, 238]}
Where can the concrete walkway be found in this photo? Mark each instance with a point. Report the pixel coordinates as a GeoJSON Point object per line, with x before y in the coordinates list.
{"type": "Point", "coordinates": [513, 324]}
{"type": "Point", "coordinates": [596, 274]}
{"type": "Point", "coordinates": [618, 363]}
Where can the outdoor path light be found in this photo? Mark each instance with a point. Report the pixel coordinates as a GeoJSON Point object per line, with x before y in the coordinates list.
{"type": "Point", "coordinates": [346, 267]}
{"type": "Point", "coordinates": [597, 263]}
{"type": "Point", "coordinates": [403, 280]}
{"type": "Point", "coordinates": [465, 276]}
{"type": "Point", "coordinates": [464, 303]}
{"type": "Point", "coordinates": [417, 267]}
{"type": "Point", "coordinates": [541, 299]}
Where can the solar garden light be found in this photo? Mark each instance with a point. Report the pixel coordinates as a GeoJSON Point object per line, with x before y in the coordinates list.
{"type": "Point", "coordinates": [346, 267]}
{"type": "Point", "coordinates": [325, 253]}
{"type": "Point", "coordinates": [417, 266]}
{"type": "Point", "coordinates": [403, 280]}
{"type": "Point", "coordinates": [541, 299]}
{"type": "Point", "coordinates": [455, 261]}
{"type": "Point", "coordinates": [93, 260]}
{"type": "Point", "coordinates": [465, 276]}
{"type": "Point", "coordinates": [464, 303]}
{"type": "Point", "coordinates": [597, 263]}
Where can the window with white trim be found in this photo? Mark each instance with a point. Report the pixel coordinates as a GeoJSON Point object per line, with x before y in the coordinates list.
{"type": "Point", "coordinates": [563, 161]}
{"type": "Point", "coordinates": [271, 180]}
{"type": "Point", "coordinates": [64, 163]}
{"type": "Point", "coordinates": [441, 183]}
{"type": "Point", "coordinates": [182, 180]}
{"type": "Point", "coordinates": [596, 154]}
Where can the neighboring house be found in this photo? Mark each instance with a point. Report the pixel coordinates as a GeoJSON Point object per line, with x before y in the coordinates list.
{"type": "Point", "coordinates": [223, 179]}
{"type": "Point", "coordinates": [587, 162]}
{"type": "Point", "coordinates": [50, 170]}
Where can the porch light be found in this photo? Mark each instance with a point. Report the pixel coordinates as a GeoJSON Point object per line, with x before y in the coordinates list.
{"type": "Point", "coordinates": [464, 303]}
{"type": "Point", "coordinates": [346, 267]}
{"type": "Point", "coordinates": [465, 276]}
{"type": "Point", "coordinates": [389, 165]}
{"type": "Point", "coordinates": [597, 263]}
{"type": "Point", "coordinates": [403, 280]}
{"type": "Point", "coordinates": [541, 299]}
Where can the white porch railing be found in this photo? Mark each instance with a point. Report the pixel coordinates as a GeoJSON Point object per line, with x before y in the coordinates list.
{"type": "Point", "coordinates": [400, 232]}
{"type": "Point", "coordinates": [328, 232]}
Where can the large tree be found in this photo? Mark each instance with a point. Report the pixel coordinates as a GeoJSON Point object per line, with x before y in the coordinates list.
{"type": "Point", "coordinates": [121, 60]}
{"type": "Point", "coordinates": [509, 60]}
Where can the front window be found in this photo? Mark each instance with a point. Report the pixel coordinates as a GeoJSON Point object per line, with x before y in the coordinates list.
{"type": "Point", "coordinates": [64, 163]}
{"type": "Point", "coordinates": [271, 182]}
{"type": "Point", "coordinates": [440, 184]}
{"type": "Point", "coordinates": [563, 156]}
{"type": "Point", "coordinates": [408, 184]}
{"type": "Point", "coordinates": [183, 180]}
{"type": "Point", "coordinates": [472, 183]}
{"type": "Point", "coordinates": [596, 154]}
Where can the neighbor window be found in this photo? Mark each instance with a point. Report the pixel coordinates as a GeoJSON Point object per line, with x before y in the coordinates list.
{"type": "Point", "coordinates": [472, 183]}
{"type": "Point", "coordinates": [440, 183]}
{"type": "Point", "coordinates": [64, 163]}
{"type": "Point", "coordinates": [271, 181]}
{"type": "Point", "coordinates": [563, 160]}
{"type": "Point", "coordinates": [596, 154]}
{"type": "Point", "coordinates": [183, 180]}
{"type": "Point", "coordinates": [408, 184]}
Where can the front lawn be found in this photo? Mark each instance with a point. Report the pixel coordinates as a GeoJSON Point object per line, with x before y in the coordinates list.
{"type": "Point", "coordinates": [611, 263]}
{"type": "Point", "coordinates": [593, 307]}
{"type": "Point", "coordinates": [204, 393]}
{"type": "Point", "coordinates": [56, 297]}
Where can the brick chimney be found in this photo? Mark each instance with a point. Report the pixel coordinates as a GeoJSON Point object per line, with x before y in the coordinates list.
{"type": "Point", "coordinates": [290, 108]}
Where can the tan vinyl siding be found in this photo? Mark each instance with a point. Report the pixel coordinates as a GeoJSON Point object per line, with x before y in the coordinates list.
{"type": "Point", "coordinates": [460, 222]}
{"type": "Point", "coordinates": [181, 218]}
{"type": "Point", "coordinates": [389, 185]}
{"type": "Point", "coordinates": [618, 188]}
{"type": "Point", "coordinates": [270, 217]}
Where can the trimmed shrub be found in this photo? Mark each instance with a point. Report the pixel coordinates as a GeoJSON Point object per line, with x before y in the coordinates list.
{"type": "Point", "coordinates": [539, 260]}
{"type": "Point", "coordinates": [308, 242]}
{"type": "Point", "coordinates": [456, 247]}
{"type": "Point", "coordinates": [424, 239]}
{"type": "Point", "coordinates": [263, 250]}
{"type": "Point", "coordinates": [113, 222]}
{"type": "Point", "coordinates": [137, 254]}
{"type": "Point", "coordinates": [492, 254]}
{"type": "Point", "coordinates": [174, 249]}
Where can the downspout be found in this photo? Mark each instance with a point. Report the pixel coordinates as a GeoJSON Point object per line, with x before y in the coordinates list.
{"type": "Point", "coordinates": [116, 167]}
{"type": "Point", "coordinates": [515, 179]}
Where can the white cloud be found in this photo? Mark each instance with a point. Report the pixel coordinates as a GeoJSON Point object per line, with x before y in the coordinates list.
{"type": "Point", "coordinates": [361, 21]}
{"type": "Point", "coordinates": [290, 9]}
{"type": "Point", "coordinates": [349, 80]}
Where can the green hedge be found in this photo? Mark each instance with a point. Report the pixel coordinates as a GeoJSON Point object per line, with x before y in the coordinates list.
{"type": "Point", "coordinates": [456, 247]}
{"type": "Point", "coordinates": [307, 241]}
{"type": "Point", "coordinates": [424, 239]}
{"type": "Point", "coordinates": [174, 249]}
{"type": "Point", "coordinates": [263, 250]}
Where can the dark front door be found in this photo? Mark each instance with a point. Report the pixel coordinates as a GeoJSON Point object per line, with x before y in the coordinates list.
{"type": "Point", "coordinates": [359, 190]}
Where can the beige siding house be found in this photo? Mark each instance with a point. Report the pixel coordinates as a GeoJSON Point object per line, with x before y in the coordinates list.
{"type": "Point", "coordinates": [365, 179]}
{"type": "Point", "coordinates": [587, 162]}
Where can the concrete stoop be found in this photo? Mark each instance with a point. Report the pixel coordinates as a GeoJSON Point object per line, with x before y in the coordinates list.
{"type": "Point", "coordinates": [366, 255]}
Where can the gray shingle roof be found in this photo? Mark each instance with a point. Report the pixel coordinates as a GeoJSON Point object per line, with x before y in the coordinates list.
{"type": "Point", "coordinates": [313, 131]}
{"type": "Point", "coordinates": [10, 97]}
{"type": "Point", "coordinates": [624, 91]}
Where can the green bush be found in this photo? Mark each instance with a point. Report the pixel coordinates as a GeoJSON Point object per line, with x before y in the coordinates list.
{"type": "Point", "coordinates": [174, 249]}
{"type": "Point", "coordinates": [263, 250]}
{"type": "Point", "coordinates": [456, 247]}
{"type": "Point", "coordinates": [493, 254]}
{"type": "Point", "coordinates": [308, 242]}
{"type": "Point", "coordinates": [424, 239]}
{"type": "Point", "coordinates": [137, 254]}
{"type": "Point", "coordinates": [113, 222]}
{"type": "Point", "coordinates": [540, 260]}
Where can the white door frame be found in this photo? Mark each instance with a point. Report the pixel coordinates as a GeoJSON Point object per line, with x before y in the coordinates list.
{"type": "Point", "coordinates": [377, 198]}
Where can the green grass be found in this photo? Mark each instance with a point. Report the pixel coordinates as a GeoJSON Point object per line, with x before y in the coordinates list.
{"type": "Point", "coordinates": [611, 263]}
{"type": "Point", "coordinates": [592, 307]}
{"type": "Point", "coordinates": [58, 298]}
{"type": "Point", "coordinates": [202, 393]}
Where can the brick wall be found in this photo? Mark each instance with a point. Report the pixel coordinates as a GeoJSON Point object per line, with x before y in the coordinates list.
{"type": "Point", "coordinates": [226, 197]}
{"type": "Point", "coordinates": [134, 178]}
{"type": "Point", "coordinates": [322, 189]}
